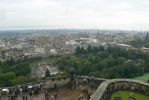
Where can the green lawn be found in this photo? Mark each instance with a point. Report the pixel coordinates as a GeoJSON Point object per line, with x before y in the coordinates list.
{"type": "Point", "coordinates": [145, 77]}
{"type": "Point", "coordinates": [126, 94]}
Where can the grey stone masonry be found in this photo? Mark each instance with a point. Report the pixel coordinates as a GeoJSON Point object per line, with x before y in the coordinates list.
{"type": "Point", "coordinates": [106, 88]}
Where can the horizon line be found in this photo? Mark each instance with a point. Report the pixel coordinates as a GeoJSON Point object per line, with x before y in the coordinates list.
{"type": "Point", "coordinates": [48, 28]}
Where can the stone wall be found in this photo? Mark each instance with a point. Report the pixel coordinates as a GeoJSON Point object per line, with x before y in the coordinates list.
{"type": "Point", "coordinates": [104, 91]}
{"type": "Point", "coordinates": [107, 88]}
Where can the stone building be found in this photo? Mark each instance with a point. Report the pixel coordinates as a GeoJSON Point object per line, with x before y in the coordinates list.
{"type": "Point", "coordinates": [12, 53]}
{"type": "Point", "coordinates": [0, 54]}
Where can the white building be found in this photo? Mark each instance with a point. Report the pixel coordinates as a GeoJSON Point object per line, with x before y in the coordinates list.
{"type": "Point", "coordinates": [39, 50]}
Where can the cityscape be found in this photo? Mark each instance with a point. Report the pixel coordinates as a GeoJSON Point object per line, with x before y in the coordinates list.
{"type": "Point", "coordinates": [42, 52]}
{"type": "Point", "coordinates": [43, 43]}
{"type": "Point", "coordinates": [74, 50]}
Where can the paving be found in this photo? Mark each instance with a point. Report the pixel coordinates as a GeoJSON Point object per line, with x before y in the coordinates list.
{"type": "Point", "coordinates": [63, 94]}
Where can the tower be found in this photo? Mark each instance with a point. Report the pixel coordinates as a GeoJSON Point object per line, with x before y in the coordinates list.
{"type": "Point", "coordinates": [147, 36]}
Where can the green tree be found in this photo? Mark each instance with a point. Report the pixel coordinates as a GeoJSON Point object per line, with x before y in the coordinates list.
{"type": "Point", "coordinates": [22, 69]}
{"type": "Point", "coordinates": [47, 73]}
{"type": "Point", "coordinates": [5, 78]}
{"type": "Point", "coordinates": [20, 80]}
{"type": "Point", "coordinates": [89, 48]}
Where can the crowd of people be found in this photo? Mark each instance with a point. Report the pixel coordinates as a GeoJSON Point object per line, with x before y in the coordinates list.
{"type": "Point", "coordinates": [24, 90]}
{"type": "Point", "coordinates": [89, 80]}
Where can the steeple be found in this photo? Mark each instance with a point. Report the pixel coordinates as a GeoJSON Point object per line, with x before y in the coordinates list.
{"type": "Point", "coordinates": [147, 36]}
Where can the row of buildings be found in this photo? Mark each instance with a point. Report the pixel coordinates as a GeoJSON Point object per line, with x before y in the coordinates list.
{"type": "Point", "coordinates": [18, 48]}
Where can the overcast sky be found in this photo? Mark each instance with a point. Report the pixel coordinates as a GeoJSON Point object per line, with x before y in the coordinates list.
{"type": "Point", "coordinates": [102, 14]}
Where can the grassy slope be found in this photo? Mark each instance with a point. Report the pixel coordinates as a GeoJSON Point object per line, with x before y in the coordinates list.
{"type": "Point", "coordinates": [126, 94]}
{"type": "Point", "coordinates": [145, 77]}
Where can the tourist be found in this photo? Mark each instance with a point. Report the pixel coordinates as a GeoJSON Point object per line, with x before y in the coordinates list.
{"type": "Point", "coordinates": [25, 97]}
{"type": "Point", "coordinates": [39, 86]}
{"type": "Point", "coordinates": [46, 93]}
{"type": "Point", "coordinates": [9, 97]}
{"type": "Point", "coordinates": [88, 95]}
{"type": "Point", "coordinates": [80, 97]}
{"type": "Point", "coordinates": [55, 96]}
{"type": "Point", "coordinates": [88, 80]}
{"type": "Point", "coordinates": [30, 92]}
{"type": "Point", "coordinates": [12, 97]}
{"type": "Point", "coordinates": [85, 79]}
{"type": "Point", "coordinates": [92, 80]}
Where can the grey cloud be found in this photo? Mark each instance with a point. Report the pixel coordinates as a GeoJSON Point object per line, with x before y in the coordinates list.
{"type": "Point", "coordinates": [75, 13]}
{"type": "Point", "coordinates": [2, 15]}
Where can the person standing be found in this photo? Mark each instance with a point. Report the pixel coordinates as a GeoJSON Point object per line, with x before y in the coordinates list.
{"type": "Point", "coordinates": [80, 97]}
{"type": "Point", "coordinates": [46, 95]}
{"type": "Point", "coordinates": [88, 96]}
{"type": "Point", "coordinates": [26, 97]}
{"type": "Point", "coordinates": [55, 96]}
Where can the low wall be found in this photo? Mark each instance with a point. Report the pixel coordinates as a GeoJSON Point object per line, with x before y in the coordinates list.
{"type": "Point", "coordinates": [104, 91]}
{"type": "Point", "coordinates": [107, 88]}
{"type": "Point", "coordinates": [97, 81]}
{"type": "Point", "coordinates": [48, 81]}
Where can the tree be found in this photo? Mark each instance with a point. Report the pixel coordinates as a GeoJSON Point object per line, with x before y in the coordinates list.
{"type": "Point", "coordinates": [89, 48]}
{"type": "Point", "coordinates": [147, 36]}
{"type": "Point", "coordinates": [101, 48]}
{"type": "Point", "coordinates": [47, 73]}
{"type": "Point", "coordinates": [83, 51]}
{"type": "Point", "coordinates": [22, 69]}
{"type": "Point", "coordinates": [5, 78]}
{"type": "Point", "coordinates": [20, 80]}
{"type": "Point", "coordinates": [78, 50]}
{"type": "Point", "coordinates": [95, 49]}
{"type": "Point", "coordinates": [11, 61]}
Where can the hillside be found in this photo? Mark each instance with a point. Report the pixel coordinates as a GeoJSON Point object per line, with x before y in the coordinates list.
{"type": "Point", "coordinates": [99, 62]}
{"type": "Point", "coordinates": [105, 63]}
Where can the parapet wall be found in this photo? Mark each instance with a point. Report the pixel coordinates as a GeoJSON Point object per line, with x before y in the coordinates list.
{"type": "Point", "coordinates": [97, 81]}
{"type": "Point", "coordinates": [49, 81]}
{"type": "Point", "coordinates": [104, 91]}
{"type": "Point", "coordinates": [59, 81]}
{"type": "Point", "coordinates": [107, 88]}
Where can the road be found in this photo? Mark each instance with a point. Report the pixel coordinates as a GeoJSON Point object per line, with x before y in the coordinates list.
{"type": "Point", "coordinates": [39, 70]}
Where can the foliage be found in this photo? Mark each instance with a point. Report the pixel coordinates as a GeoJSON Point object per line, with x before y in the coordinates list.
{"type": "Point", "coordinates": [144, 77]}
{"type": "Point", "coordinates": [5, 78]}
{"type": "Point", "coordinates": [112, 62]}
{"type": "Point", "coordinates": [20, 80]}
{"type": "Point", "coordinates": [47, 73]}
{"type": "Point", "coordinates": [12, 73]}
{"type": "Point", "coordinates": [139, 42]}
